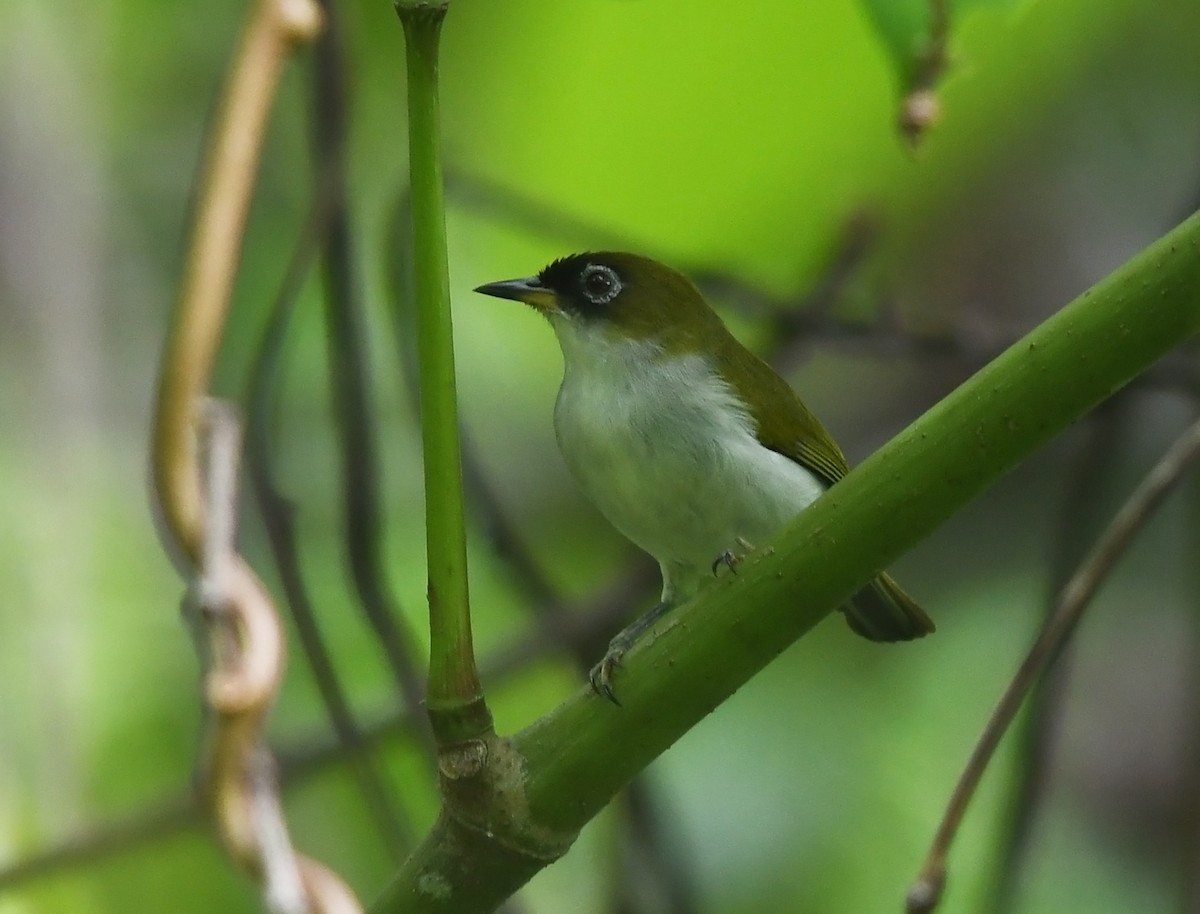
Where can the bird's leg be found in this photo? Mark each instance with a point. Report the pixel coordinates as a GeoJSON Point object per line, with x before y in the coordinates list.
{"type": "Point", "coordinates": [602, 673]}
{"type": "Point", "coordinates": [731, 559]}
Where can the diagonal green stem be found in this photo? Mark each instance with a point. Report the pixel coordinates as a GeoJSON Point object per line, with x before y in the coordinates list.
{"type": "Point", "coordinates": [563, 769]}
{"type": "Point", "coordinates": [1032, 391]}
{"type": "Point", "coordinates": [455, 697]}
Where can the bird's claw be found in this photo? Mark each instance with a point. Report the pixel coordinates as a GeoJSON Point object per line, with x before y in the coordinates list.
{"type": "Point", "coordinates": [729, 559]}
{"type": "Point", "coordinates": [602, 673]}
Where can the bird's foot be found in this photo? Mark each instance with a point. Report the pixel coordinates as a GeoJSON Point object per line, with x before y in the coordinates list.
{"type": "Point", "coordinates": [601, 676]}
{"type": "Point", "coordinates": [731, 559]}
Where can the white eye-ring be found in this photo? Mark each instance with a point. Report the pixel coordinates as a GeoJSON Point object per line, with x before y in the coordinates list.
{"type": "Point", "coordinates": [600, 284]}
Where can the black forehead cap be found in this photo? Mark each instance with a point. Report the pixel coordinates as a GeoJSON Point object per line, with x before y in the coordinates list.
{"type": "Point", "coordinates": [562, 274]}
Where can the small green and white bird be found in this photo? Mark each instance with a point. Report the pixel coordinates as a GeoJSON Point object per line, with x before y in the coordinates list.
{"type": "Point", "coordinates": [688, 443]}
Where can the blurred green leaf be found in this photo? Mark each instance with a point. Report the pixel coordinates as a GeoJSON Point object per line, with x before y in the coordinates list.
{"type": "Point", "coordinates": [905, 28]}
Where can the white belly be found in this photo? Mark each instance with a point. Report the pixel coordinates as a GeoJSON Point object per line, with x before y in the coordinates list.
{"type": "Point", "coordinates": [668, 454]}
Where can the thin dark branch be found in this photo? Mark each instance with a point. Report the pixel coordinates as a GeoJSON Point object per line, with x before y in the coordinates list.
{"type": "Point", "coordinates": [307, 757]}
{"type": "Point", "coordinates": [1190, 794]}
{"type": "Point", "coordinates": [147, 826]}
{"type": "Point", "coordinates": [277, 514]}
{"type": "Point", "coordinates": [1072, 603]}
{"type": "Point", "coordinates": [1190, 799]}
{"type": "Point", "coordinates": [517, 209]}
{"type": "Point", "coordinates": [1082, 519]}
{"type": "Point", "coordinates": [815, 310]}
{"type": "Point", "coordinates": [349, 371]}
{"type": "Point", "coordinates": [655, 854]}
{"type": "Point", "coordinates": [807, 319]}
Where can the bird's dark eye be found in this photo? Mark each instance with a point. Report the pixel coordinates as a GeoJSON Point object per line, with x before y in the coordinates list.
{"type": "Point", "coordinates": [600, 284]}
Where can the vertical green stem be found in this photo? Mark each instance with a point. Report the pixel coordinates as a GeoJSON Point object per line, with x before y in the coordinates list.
{"type": "Point", "coordinates": [455, 699]}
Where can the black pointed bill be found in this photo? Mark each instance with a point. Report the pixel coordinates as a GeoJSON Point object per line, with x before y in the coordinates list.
{"type": "Point", "coordinates": [529, 290]}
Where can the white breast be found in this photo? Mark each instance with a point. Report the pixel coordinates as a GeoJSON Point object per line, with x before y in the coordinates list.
{"type": "Point", "coordinates": [668, 453]}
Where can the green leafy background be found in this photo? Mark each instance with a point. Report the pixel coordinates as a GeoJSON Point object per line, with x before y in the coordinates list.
{"type": "Point", "coordinates": [730, 138]}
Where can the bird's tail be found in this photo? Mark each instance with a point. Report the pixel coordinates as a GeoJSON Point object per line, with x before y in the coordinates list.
{"type": "Point", "coordinates": [884, 612]}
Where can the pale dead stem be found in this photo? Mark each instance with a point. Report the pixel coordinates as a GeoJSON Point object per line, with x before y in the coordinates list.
{"type": "Point", "coordinates": [242, 636]}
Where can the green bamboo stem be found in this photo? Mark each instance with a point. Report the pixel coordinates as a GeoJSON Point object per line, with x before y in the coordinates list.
{"type": "Point", "coordinates": [550, 779]}
{"type": "Point", "coordinates": [1031, 392]}
{"type": "Point", "coordinates": [455, 697]}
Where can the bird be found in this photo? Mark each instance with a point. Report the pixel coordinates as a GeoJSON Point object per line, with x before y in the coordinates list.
{"type": "Point", "coordinates": [691, 446]}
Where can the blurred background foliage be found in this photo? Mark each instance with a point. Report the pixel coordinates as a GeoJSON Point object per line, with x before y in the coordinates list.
{"type": "Point", "coordinates": [744, 143]}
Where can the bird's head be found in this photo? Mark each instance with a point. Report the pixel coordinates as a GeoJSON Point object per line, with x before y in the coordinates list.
{"type": "Point", "coordinates": [614, 295]}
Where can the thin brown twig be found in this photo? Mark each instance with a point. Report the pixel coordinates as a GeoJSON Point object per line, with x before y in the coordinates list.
{"type": "Point", "coordinates": [1082, 518]}
{"type": "Point", "coordinates": [1072, 603]}
{"type": "Point", "coordinates": [1190, 850]}
{"type": "Point", "coordinates": [1189, 889]}
{"type": "Point", "coordinates": [246, 642]}
{"type": "Point", "coordinates": [205, 292]}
